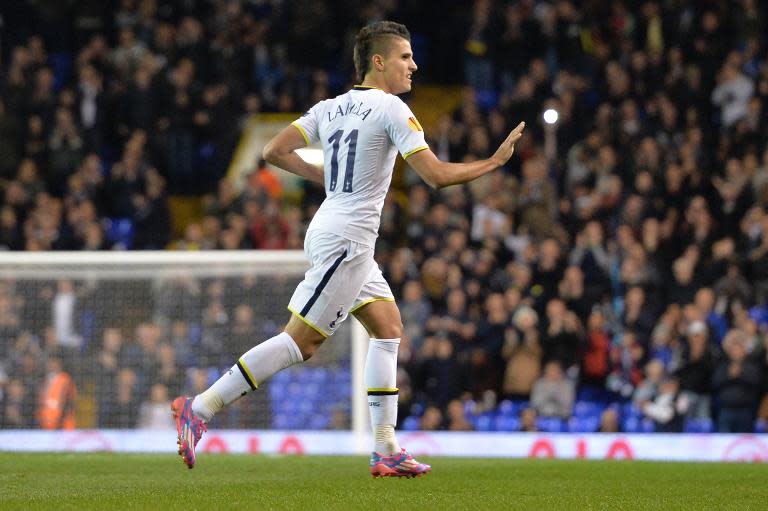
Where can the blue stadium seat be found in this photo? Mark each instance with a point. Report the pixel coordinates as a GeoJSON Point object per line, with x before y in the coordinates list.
{"type": "Point", "coordinates": [312, 392]}
{"type": "Point", "coordinates": [304, 375]}
{"type": "Point", "coordinates": [506, 407]}
{"type": "Point", "coordinates": [590, 393]}
{"type": "Point", "coordinates": [512, 408]}
{"type": "Point", "coordinates": [319, 421]}
{"type": "Point", "coordinates": [469, 409]}
{"type": "Point", "coordinates": [485, 422]}
{"type": "Point", "coordinates": [584, 424]}
{"type": "Point", "coordinates": [280, 421]}
{"type": "Point", "coordinates": [277, 391]}
{"type": "Point", "coordinates": [293, 390]}
{"type": "Point", "coordinates": [550, 424]}
{"type": "Point", "coordinates": [699, 426]}
{"type": "Point", "coordinates": [761, 426]}
{"type": "Point", "coordinates": [507, 423]}
{"type": "Point", "coordinates": [120, 231]}
{"type": "Point", "coordinates": [342, 375]}
{"type": "Point", "coordinates": [321, 375]}
{"type": "Point", "coordinates": [635, 424]}
{"type": "Point", "coordinates": [487, 99]}
{"type": "Point", "coordinates": [336, 391]}
{"type": "Point", "coordinates": [411, 423]}
{"type": "Point", "coordinates": [417, 409]}
{"type": "Point", "coordinates": [282, 377]}
{"type": "Point", "coordinates": [630, 410]}
{"type": "Point", "coordinates": [587, 408]}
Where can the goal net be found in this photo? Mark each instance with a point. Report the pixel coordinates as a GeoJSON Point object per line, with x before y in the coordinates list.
{"type": "Point", "coordinates": [106, 340]}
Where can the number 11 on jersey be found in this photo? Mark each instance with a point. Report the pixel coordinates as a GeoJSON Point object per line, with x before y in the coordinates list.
{"type": "Point", "coordinates": [335, 139]}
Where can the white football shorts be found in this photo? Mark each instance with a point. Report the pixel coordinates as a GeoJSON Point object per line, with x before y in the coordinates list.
{"type": "Point", "coordinates": [343, 277]}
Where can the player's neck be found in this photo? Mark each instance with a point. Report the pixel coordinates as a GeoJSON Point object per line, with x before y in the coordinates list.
{"type": "Point", "coordinates": [372, 83]}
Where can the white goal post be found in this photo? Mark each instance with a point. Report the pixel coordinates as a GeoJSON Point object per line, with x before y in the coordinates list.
{"type": "Point", "coordinates": [22, 274]}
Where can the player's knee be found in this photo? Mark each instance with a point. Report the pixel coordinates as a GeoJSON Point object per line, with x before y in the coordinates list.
{"type": "Point", "coordinates": [309, 348]}
{"type": "Point", "coordinates": [392, 330]}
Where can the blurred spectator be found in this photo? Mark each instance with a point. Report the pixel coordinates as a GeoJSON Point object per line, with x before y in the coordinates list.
{"type": "Point", "coordinates": [668, 408]}
{"type": "Point", "coordinates": [432, 419]}
{"type": "Point", "coordinates": [105, 373]}
{"type": "Point", "coordinates": [736, 386]}
{"type": "Point", "coordinates": [263, 180]}
{"type": "Point", "coordinates": [553, 394]}
{"type": "Point", "coordinates": [693, 375]}
{"type": "Point", "coordinates": [414, 311]}
{"type": "Point", "coordinates": [609, 421]}
{"type": "Point", "coordinates": [57, 397]}
{"type": "Point", "coordinates": [456, 419]}
{"type": "Point", "coordinates": [127, 399]}
{"type": "Point", "coordinates": [153, 414]}
{"type": "Point", "coordinates": [595, 359]}
{"type": "Point", "coordinates": [523, 353]}
{"type": "Point", "coordinates": [563, 334]}
{"type": "Point", "coordinates": [64, 317]}
{"type": "Point", "coordinates": [649, 387]}
{"type": "Point", "coordinates": [626, 359]}
{"type": "Point", "coordinates": [733, 92]}
{"type": "Point", "coordinates": [528, 420]}
{"type": "Point", "coordinates": [439, 369]}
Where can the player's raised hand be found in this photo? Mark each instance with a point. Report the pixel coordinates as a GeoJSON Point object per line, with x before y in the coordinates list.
{"type": "Point", "coordinates": [505, 150]}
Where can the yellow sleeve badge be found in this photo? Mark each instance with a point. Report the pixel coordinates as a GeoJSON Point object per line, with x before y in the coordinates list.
{"type": "Point", "coordinates": [414, 124]}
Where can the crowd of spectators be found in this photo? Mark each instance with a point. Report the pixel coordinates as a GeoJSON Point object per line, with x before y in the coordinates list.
{"type": "Point", "coordinates": [619, 258]}
{"type": "Point", "coordinates": [618, 266]}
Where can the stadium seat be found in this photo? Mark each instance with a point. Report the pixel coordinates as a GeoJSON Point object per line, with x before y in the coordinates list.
{"type": "Point", "coordinates": [630, 410]}
{"type": "Point", "coordinates": [469, 409]}
{"type": "Point", "coordinates": [587, 408]}
{"type": "Point", "coordinates": [550, 424]}
{"type": "Point", "coordinates": [120, 231]}
{"type": "Point", "coordinates": [635, 424]}
{"type": "Point", "coordinates": [417, 409]}
{"type": "Point", "coordinates": [485, 422]}
{"type": "Point", "coordinates": [277, 391]}
{"type": "Point", "coordinates": [280, 421]}
{"type": "Point", "coordinates": [506, 407]}
{"type": "Point", "coordinates": [282, 377]}
{"type": "Point", "coordinates": [761, 426]}
{"type": "Point", "coordinates": [584, 424]}
{"type": "Point", "coordinates": [487, 99]}
{"type": "Point", "coordinates": [507, 423]}
{"type": "Point", "coordinates": [343, 375]}
{"type": "Point", "coordinates": [592, 393]}
{"type": "Point", "coordinates": [512, 408]}
{"type": "Point", "coordinates": [411, 423]}
{"type": "Point", "coordinates": [699, 426]}
{"type": "Point", "coordinates": [319, 421]}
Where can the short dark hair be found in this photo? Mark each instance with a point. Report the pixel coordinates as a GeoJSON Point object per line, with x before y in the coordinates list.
{"type": "Point", "coordinates": [368, 40]}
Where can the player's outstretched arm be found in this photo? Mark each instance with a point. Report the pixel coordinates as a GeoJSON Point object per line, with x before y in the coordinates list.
{"type": "Point", "coordinates": [438, 173]}
{"type": "Point", "coordinates": [281, 152]}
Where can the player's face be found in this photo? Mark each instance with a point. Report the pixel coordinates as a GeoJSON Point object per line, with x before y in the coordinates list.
{"type": "Point", "coordinates": [399, 66]}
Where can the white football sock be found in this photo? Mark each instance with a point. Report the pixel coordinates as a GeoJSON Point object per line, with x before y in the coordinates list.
{"type": "Point", "coordinates": [380, 377]}
{"type": "Point", "coordinates": [258, 364]}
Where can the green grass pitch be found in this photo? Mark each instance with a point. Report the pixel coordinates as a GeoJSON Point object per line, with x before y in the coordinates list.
{"type": "Point", "coordinates": [126, 482]}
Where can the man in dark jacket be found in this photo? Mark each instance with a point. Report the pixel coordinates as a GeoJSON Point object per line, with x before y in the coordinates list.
{"type": "Point", "coordinates": [736, 385]}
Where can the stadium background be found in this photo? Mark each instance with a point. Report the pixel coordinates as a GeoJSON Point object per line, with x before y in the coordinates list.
{"type": "Point", "coordinates": [627, 243]}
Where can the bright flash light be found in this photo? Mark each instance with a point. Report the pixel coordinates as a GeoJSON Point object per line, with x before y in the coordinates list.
{"type": "Point", "coordinates": [550, 116]}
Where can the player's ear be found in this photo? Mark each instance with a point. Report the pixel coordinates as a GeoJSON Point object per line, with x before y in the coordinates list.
{"type": "Point", "coordinates": [378, 62]}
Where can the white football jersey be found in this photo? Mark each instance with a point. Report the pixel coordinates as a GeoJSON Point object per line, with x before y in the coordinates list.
{"type": "Point", "coordinates": [361, 132]}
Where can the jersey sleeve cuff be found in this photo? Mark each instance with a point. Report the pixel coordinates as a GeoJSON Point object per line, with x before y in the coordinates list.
{"type": "Point", "coordinates": [301, 130]}
{"type": "Point", "coordinates": [414, 151]}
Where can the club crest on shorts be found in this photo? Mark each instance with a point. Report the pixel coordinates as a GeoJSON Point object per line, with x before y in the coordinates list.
{"type": "Point", "coordinates": [339, 314]}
